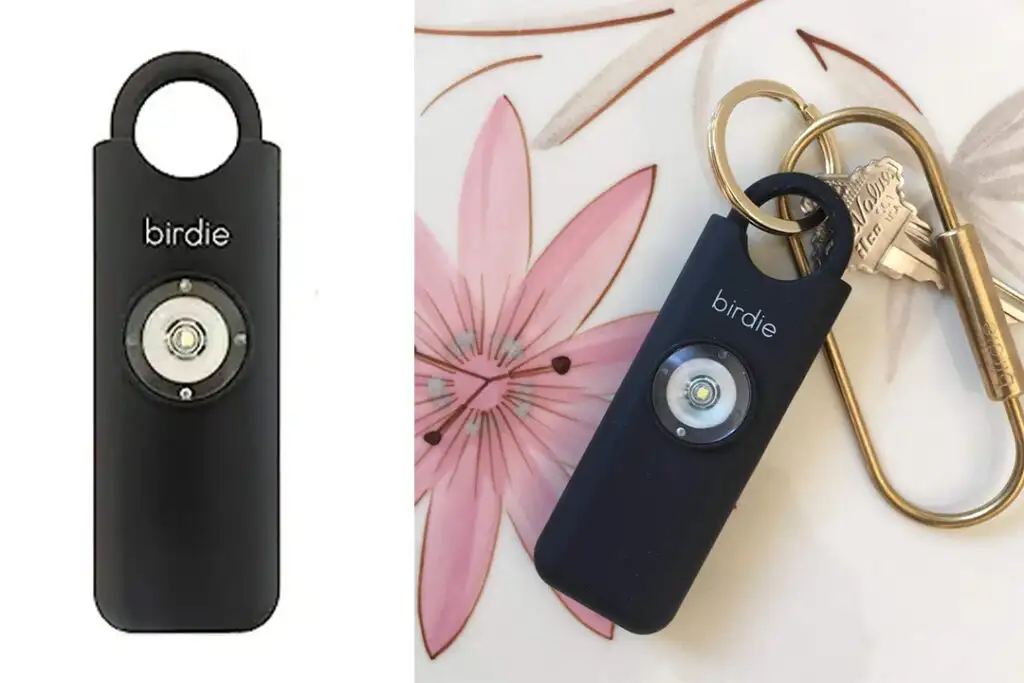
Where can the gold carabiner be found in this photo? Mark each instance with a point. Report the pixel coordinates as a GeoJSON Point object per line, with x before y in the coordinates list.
{"type": "Point", "coordinates": [970, 281]}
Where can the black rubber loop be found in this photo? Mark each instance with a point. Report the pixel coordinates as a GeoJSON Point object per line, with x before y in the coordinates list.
{"type": "Point", "coordinates": [185, 66]}
{"type": "Point", "coordinates": [832, 208]}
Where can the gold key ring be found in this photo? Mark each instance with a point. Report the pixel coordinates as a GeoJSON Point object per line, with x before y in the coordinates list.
{"type": "Point", "coordinates": [724, 176]}
{"type": "Point", "coordinates": [966, 268]}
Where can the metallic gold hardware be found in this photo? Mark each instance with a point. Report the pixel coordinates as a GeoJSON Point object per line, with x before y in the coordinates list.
{"type": "Point", "coordinates": [720, 161]}
{"type": "Point", "coordinates": [967, 269]}
{"type": "Point", "coordinates": [970, 282]}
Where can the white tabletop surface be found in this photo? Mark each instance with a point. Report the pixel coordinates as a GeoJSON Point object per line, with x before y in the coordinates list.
{"type": "Point", "coordinates": [814, 578]}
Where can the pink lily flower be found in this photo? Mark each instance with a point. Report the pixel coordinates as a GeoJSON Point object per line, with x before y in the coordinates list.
{"type": "Point", "coordinates": [509, 390]}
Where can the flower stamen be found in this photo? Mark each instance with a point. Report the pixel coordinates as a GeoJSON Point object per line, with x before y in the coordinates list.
{"type": "Point", "coordinates": [523, 396]}
{"type": "Point", "coordinates": [444, 322]}
{"type": "Point", "coordinates": [561, 364]}
{"type": "Point", "coordinates": [464, 343]}
{"type": "Point", "coordinates": [522, 328]}
{"type": "Point", "coordinates": [501, 307]}
{"type": "Point", "coordinates": [508, 327]}
{"type": "Point", "coordinates": [448, 367]}
{"type": "Point", "coordinates": [434, 437]}
{"type": "Point", "coordinates": [440, 340]}
{"type": "Point", "coordinates": [511, 348]}
{"type": "Point", "coordinates": [436, 387]}
{"type": "Point", "coordinates": [483, 313]}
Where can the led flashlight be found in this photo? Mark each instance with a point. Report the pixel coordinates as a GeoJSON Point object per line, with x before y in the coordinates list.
{"type": "Point", "coordinates": [702, 393]}
{"type": "Point", "coordinates": [186, 339]}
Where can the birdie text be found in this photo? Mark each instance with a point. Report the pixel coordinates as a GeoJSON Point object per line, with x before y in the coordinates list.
{"type": "Point", "coordinates": [200, 234]}
{"type": "Point", "coordinates": [754, 321]}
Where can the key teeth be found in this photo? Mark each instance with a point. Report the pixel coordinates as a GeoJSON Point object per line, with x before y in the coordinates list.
{"type": "Point", "coordinates": [822, 238]}
{"type": "Point", "coordinates": [822, 241]}
{"type": "Point", "coordinates": [918, 231]}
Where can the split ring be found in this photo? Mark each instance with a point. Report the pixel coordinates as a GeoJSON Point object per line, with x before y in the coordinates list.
{"type": "Point", "coordinates": [724, 176]}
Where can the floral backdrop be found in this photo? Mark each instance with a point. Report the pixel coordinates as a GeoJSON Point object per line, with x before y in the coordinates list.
{"type": "Point", "coordinates": [508, 391]}
{"type": "Point", "coordinates": [512, 374]}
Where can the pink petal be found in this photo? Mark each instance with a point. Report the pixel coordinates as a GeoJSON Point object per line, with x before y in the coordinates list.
{"type": "Point", "coordinates": [579, 266]}
{"type": "Point", "coordinates": [427, 472]}
{"type": "Point", "coordinates": [599, 357]}
{"type": "Point", "coordinates": [441, 300]}
{"type": "Point", "coordinates": [535, 483]}
{"type": "Point", "coordinates": [494, 211]}
{"type": "Point", "coordinates": [434, 391]}
{"type": "Point", "coordinates": [433, 462]}
{"type": "Point", "coordinates": [458, 544]}
{"type": "Point", "coordinates": [558, 414]}
{"type": "Point", "coordinates": [434, 274]}
{"type": "Point", "coordinates": [558, 427]}
{"type": "Point", "coordinates": [564, 410]}
{"type": "Point", "coordinates": [592, 620]}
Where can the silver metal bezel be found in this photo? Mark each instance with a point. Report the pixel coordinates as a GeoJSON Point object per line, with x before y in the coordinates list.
{"type": "Point", "coordinates": [238, 336]}
{"type": "Point", "coordinates": [744, 394]}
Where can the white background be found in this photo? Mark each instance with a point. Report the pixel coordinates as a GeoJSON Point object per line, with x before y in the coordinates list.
{"type": "Point", "coordinates": [317, 70]}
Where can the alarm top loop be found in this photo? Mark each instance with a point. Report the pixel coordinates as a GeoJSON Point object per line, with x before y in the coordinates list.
{"type": "Point", "coordinates": [724, 177]}
{"type": "Point", "coordinates": [186, 66]}
{"type": "Point", "coordinates": [831, 206]}
{"type": "Point", "coordinates": [970, 282]}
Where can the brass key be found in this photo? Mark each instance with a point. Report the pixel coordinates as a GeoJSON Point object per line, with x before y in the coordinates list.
{"type": "Point", "coordinates": [891, 238]}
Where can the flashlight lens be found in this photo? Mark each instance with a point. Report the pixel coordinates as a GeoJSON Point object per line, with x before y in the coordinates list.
{"type": "Point", "coordinates": [186, 338]}
{"type": "Point", "coordinates": [702, 393]}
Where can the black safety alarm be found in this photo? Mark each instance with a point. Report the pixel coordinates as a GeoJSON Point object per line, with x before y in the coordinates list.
{"type": "Point", "coordinates": [186, 372]}
{"type": "Point", "coordinates": [692, 418]}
